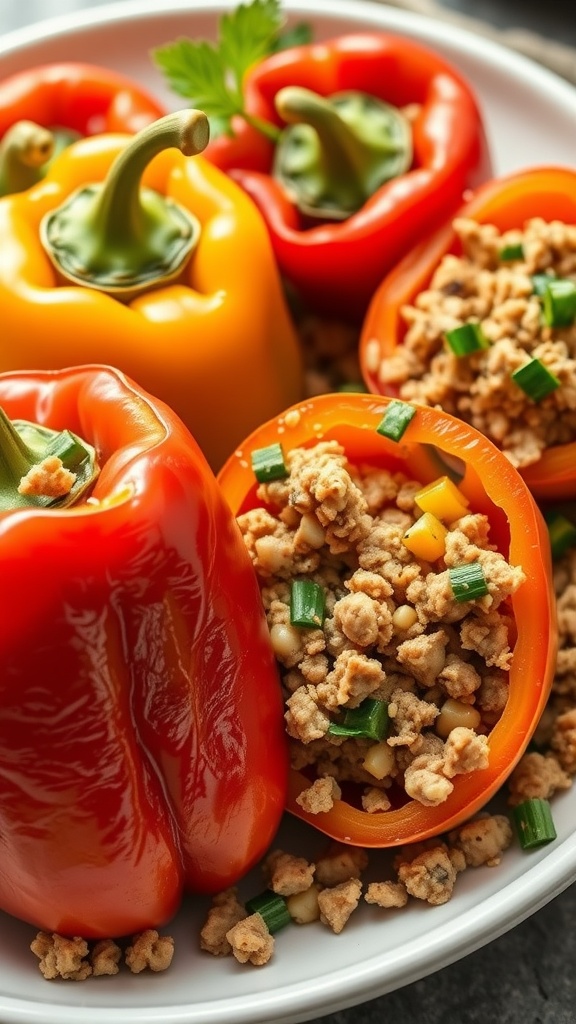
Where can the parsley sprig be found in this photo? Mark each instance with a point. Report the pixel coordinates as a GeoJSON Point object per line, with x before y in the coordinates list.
{"type": "Point", "coordinates": [211, 76]}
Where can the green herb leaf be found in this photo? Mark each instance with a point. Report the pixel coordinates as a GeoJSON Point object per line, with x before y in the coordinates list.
{"type": "Point", "coordinates": [299, 35]}
{"type": "Point", "coordinates": [211, 76]}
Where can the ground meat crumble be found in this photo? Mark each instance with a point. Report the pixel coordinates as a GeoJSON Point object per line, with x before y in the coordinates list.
{"type": "Point", "coordinates": [480, 286]}
{"type": "Point", "coordinates": [393, 630]}
{"type": "Point", "coordinates": [75, 959]}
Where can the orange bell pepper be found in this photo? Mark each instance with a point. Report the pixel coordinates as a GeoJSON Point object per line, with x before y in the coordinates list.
{"type": "Point", "coordinates": [141, 741]}
{"type": "Point", "coordinates": [545, 192]}
{"type": "Point", "coordinates": [493, 487]}
{"type": "Point", "coordinates": [215, 325]}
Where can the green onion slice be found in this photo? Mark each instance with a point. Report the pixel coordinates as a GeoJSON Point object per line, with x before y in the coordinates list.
{"type": "Point", "coordinates": [559, 302]}
{"type": "Point", "coordinates": [307, 601]}
{"type": "Point", "coordinates": [272, 908]}
{"type": "Point", "coordinates": [268, 463]}
{"type": "Point", "coordinates": [514, 251]}
{"type": "Point", "coordinates": [395, 420]}
{"type": "Point", "coordinates": [534, 824]}
{"type": "Point", "coordinates": [466, 339]}
{"type": "Point", "coordinates": [468, 581]}
{"type": "Point", "coordinates": [540, 282]}
{"type": "Point", "coordinates": [369, 720]}
{"type": "Point", "coordinates": [562, 533]}
{"type": "Point", "coordinates": [536, 380]}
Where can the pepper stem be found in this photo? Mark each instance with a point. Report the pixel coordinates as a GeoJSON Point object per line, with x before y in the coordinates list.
{"type": "Point", "coordinates": [118, 236]}
{"type": "Point", "coordinates": [42, 468]}
{"type": "Point", "coordinates": [24, 150]}
{"type": "Point", "coordinates": [337, 151]}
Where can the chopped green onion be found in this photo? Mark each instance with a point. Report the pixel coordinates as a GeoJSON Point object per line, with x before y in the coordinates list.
{"type": "Point", "coordinates": [540, 282]}
{"type": "Point", "coordinates": [534, 824]}
{"type": "Point", "coordinates": [395, 420]}
{"type": "Point", "coordinates": [559, 303]}
{"type": "Point", "coordinates": [514, 251]}
{"type": "Point", "coordinates": [307, 600]}
{"type": "Point", "coordinates": [466, 339]}
{"type": "Point", "coordinates": [272, 908]}
{"type": "Point", "coordinates": [535, 380]}
{"type": "Point", "coordinates": [268, 463]}
{"type": "Point", "coordinates": [468, 581]}
{"type": "Point", "coordinates": [369, 719]}
{"type": "Point", "coordinates": [562, 533]}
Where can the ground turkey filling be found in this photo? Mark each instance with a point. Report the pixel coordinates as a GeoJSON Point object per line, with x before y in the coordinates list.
{"type": "Point", "coordinates": [393, 630]}
{"type": "Point", "coordinates": [482, 287]}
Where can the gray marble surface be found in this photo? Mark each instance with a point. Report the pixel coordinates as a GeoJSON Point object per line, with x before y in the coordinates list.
{"type": "Point", "coordinates": [528, 975]}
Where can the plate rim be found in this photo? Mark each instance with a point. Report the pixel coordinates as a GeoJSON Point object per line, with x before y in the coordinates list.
{"type": "Point", "coordinates": [526, 894]}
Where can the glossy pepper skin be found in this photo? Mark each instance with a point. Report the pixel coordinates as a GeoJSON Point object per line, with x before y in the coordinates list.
{"type": "Point", "coordinates": [141, 739]}
{"type": "Point", "coordinates": [493, 487]}
{"type": "Point", "coordinates": [222, 330]}
{"type": "Point", "coordinates": [335, 267]}
{"type": "Point", "coordinates": [546, 192]}
{"type": "Point", "coordinates": [79, 97]}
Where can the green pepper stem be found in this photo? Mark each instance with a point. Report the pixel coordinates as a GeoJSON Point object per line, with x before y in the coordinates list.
{"type": "Point", "coordinates": [337, 151]}
{"type": "Point", "coordinates": [118, 236]}
{"type": "Point", "coordinates": [342, 157]}
{"type": "Point", "coordinates": [24, 445]}
{"type": "Point", "coordinates": [24, 150]}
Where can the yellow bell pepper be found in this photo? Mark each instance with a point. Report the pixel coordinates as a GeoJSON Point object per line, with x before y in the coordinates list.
{"type": "Point", "coordinates": [426, 538]}
{"type": "Point", "coordinates": [164, 271]}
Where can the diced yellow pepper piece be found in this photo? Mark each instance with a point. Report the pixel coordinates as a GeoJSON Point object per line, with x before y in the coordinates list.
{"type": "Point", "coordinates": [443, 499]}
{"type": "Point", "coordinates": [426, 538]}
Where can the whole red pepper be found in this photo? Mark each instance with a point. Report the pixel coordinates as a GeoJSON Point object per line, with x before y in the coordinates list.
{"type": "Point", "coordinates": [80, 97]}
{"type": "Point", "coordinates": [71, 99]}
{"type": "Point", "coordinates": [548, 193]}
{"type": "Point", "coordinates": [431, 441]}
{"type": "Point", "coordinates": [335, 267]}
{"type": "Point", "coordinates": [141, 739]}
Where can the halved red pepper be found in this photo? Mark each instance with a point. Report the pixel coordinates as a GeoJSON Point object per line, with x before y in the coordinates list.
{"type": "Point", "coordinates": [431, 440]}
{"type": "Point", "coordinates": [545, 192]}
{"type": "Point", "coordinates": [74, 99]}
{"type": "Point", "coordinates": [141, 735]}
{"type": "Point", "coordinates": [335, 267]}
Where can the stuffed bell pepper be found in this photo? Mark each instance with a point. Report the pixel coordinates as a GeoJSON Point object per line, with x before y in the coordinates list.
{"type": "Point", "coordinates": [405, 572]}
{"type": "Point", "coordinates": [351, 148]}
{"type": "Point", "coordinates": [480, 319]}
{"type": "Point", "coordinates": [44, 108]}
{"type": "Point", "coordinates": [129, 253]}
{"type": "Point", "coordinates": [141, 735]}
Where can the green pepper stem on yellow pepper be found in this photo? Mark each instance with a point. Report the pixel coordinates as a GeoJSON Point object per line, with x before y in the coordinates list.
{"type": "Point", "coordinates": [118, 237]}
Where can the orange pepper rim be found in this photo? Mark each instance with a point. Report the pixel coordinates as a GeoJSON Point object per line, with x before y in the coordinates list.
{"type": "Point", "coordinates": [492, 486]}
{"type": "Point", "coordinates": [546, 192]}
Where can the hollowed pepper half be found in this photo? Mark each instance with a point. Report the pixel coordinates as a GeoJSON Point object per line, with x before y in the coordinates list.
{"type": "Point", "coordinates": [546, 193]}
{"type": "Point", "coordinates": [141, 739]}
{"type": "Point", "coordinates": [353, 105]}
{"type": "Point", "coordinates": [131, 254]}
{"type": "Point", "coordinates": [429, 444]}
{"type": "Point", "coordinates": [42, 109]}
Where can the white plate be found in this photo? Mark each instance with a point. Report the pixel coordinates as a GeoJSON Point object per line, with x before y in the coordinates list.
{"type": "Point", "coordinates": [530, 119]}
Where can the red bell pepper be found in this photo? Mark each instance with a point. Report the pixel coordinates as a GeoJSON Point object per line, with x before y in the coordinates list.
{"type": "Point", "coordinates": [141, 739]}
{"type": "Point", "coordinates": [546, 192]}
{"type": "Point", "coordinates": [492, 486]}
{"type": "Point", "coordinates": [335, 267]}
{"type": "Point", "coordinates": [73, 99]}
